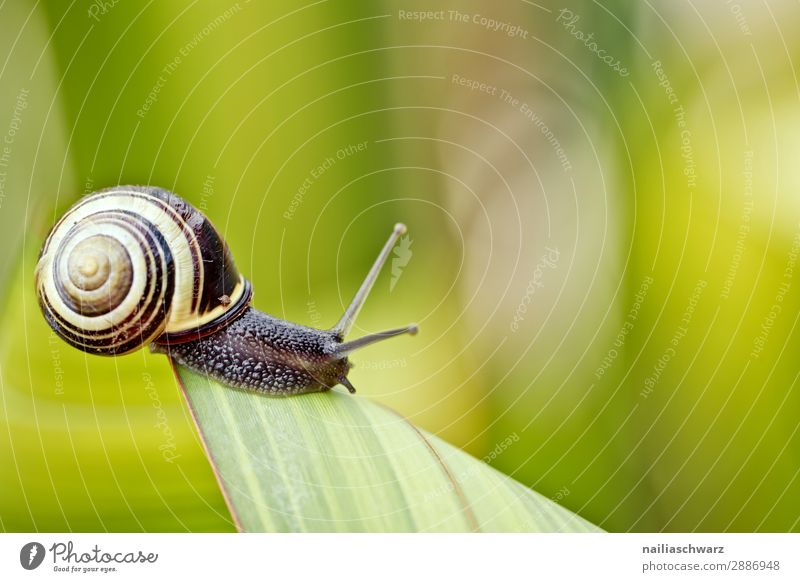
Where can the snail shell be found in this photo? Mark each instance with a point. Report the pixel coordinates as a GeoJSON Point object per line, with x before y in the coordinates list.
{"type": "Point", "coordinates": [131, 265]}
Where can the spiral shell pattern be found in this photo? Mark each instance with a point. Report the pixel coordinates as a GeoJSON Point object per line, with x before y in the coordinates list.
{"type": "Point", "coordinates": [131, 265]}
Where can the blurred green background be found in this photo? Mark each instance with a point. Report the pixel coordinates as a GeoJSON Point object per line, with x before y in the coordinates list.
{"type": "Point", "coordinates": [604, 221]}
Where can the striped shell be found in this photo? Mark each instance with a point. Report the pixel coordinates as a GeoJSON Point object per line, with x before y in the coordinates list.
{"type": "Point", "coordinates": [131, 265]}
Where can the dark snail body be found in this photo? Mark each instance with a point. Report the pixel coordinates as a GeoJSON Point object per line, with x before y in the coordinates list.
{"type": "Point", "coordinates": [132, 265]}
{"type": "Point", "coordinates": [267, 354]}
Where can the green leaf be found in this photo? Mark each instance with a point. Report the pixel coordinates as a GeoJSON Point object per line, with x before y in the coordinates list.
{"type": "Point", "coordinates": [335, 462]}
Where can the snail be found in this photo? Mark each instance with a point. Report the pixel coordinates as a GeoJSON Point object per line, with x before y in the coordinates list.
{"type": "Point", "coordinates": [131, 265]}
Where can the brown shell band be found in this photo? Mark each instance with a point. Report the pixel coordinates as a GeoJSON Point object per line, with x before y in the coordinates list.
{"type": "Point", "coordinates": [188, 335]}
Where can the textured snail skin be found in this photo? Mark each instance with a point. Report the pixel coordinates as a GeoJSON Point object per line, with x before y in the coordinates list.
{"type": "Point", "coordinates": [260, 352]}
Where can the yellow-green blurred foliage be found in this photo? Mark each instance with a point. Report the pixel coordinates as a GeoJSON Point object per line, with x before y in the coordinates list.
{"type": "Point", "coordinates": [602, 255]}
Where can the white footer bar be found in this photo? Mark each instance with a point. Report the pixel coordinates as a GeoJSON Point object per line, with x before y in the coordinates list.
{"type": "Point", "coordinates": [406, 557]}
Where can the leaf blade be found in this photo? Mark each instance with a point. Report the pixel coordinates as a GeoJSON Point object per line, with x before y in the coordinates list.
{"type": "Point", "coordinates": [334, 462]}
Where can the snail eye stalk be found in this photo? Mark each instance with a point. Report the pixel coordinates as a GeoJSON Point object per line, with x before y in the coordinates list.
{"type": "Point", "coordinates": [341, 329]}
{"type": "Point", "coordinates": [343, 349]}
